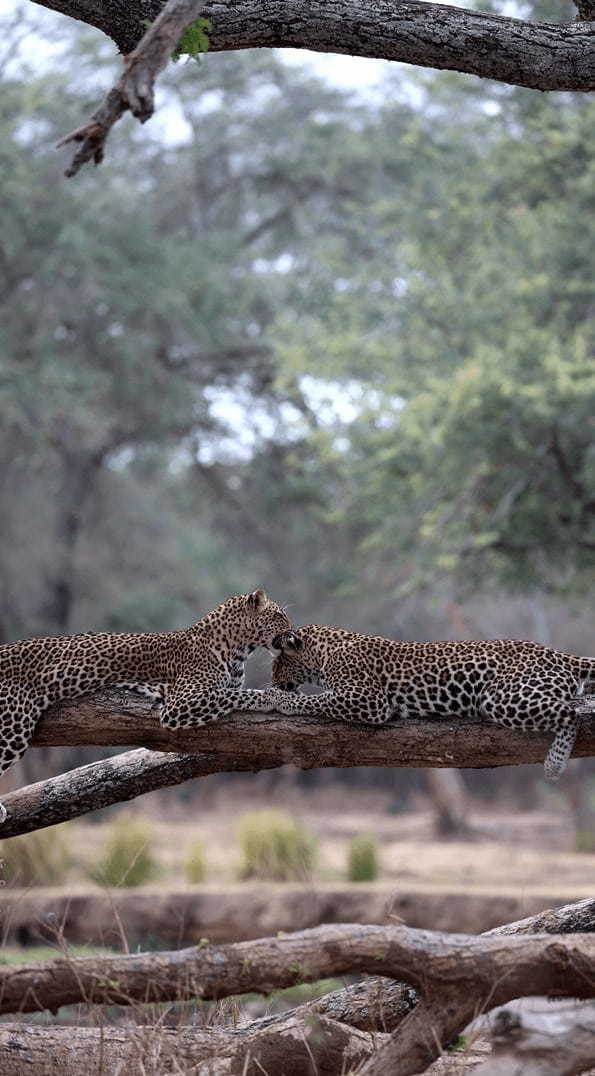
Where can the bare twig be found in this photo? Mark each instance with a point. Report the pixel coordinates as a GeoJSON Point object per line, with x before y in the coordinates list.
{"type": "Point", "coordinates": [134, 89]}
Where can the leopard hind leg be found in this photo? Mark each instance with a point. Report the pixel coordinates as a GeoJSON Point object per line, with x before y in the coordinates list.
{"type": "Point", "coordinates": [566, 729]}
{"type": "Point", "coordinates": [16, 732]}
{"type": "Point", "coordinates": [548, 711]}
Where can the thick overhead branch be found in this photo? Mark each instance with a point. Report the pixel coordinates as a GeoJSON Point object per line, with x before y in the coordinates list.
{"type": "Point", "coordinates": [134, 90]}
{"type": "Point", "coordinates": [545, 56]}
{"type": "Point", "coordinates": [246, 743]}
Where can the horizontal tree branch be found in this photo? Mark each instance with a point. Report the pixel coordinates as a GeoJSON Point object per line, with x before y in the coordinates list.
{"type": "Point", "coordinates": [247, 743]}
{"type": "Point", "coordinates": [545, 56]}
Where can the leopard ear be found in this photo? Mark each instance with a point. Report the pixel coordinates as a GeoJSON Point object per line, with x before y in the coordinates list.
{"type": "Point", "coordinates": [257, 601]}
{"type": "Point", "coordinates": [291, 643]}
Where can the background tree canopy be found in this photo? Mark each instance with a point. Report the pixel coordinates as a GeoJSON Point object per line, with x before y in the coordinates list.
{"type": "Point", "coordinates": [340, 347]}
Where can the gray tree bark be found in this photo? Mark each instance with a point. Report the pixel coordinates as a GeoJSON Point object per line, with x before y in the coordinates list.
{"type": "Point", "coordinates": [544, 56]}
{"type": "Point", "coordinates": [554, 1043]}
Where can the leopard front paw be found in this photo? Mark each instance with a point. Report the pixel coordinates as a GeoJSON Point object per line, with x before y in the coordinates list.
{"type": "Point", "coordinates": [286, 702]}
{"type": "Point", "coordinates": [269, 701]}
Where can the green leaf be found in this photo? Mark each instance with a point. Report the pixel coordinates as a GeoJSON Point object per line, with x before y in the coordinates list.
{"type": "Point", "coordinates": [194, 41]}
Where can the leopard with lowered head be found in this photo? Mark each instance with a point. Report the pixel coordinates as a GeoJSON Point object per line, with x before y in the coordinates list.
{"type": "Point", "coordinates": [515, 683]}
{"type": "Point", "coordinates": [194, 674]}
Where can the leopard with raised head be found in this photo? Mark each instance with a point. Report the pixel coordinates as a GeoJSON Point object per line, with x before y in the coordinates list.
{"type": "Point", "coordinates": [515, 683]}
{"type": "Point", "coordinates": [195, 674]}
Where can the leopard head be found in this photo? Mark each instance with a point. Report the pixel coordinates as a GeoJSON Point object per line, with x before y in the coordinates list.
{"type": "Point", "coordinates": [289, 670]}
{"type": "Point", "coordinates": [266, 621]}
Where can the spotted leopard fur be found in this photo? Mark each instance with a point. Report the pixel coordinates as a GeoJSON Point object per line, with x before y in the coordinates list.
{"type": "Point", "coordinates": [195, 674]}
{"type": "Point", "coordinates": [519, 684]}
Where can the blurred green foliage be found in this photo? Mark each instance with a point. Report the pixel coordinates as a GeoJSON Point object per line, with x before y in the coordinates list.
{"type": "Point", "coordinates": [362, 859]}
{"type": "Point", "coordinates": [195, 863]}
{"type": "Point", "coordinates": [127, 858]}
{"type": "Point", "coordinates": [39, 858]}
{"type": "Point", "coordinates": [275, 847]}
{"type": "Point", "coordinates": [338, 346]}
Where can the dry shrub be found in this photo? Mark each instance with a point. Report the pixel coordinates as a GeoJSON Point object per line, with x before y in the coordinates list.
{"type": "Point", "coordinates": [195, 864]}
{"type": "Point", "coordinates": [39, 858]}
{"type": "Point", "coordinates": [275, 847]}
{"type": "Point", "coordinates": [362, 860]}
{"type": "Point", "coordinates": [127, 858]}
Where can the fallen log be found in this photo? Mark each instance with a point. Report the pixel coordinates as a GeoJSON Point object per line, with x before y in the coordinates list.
{"type": "Point", "coordinates": [578, 918]}
{"type": "Point", "coordinates": [247, 743]}
{"type": "Point", "coordinates": [441, 1015]}
{"type": "Point", "coordinates": [552, 1042]}
{"type": "Point", "coordinates": [320, 1034]}
{"type": "Point", "coordinates": [294, 1045]}
{"type": "Point", "coordinates": [446, 1009]}
{"type": "Point", "coordinates": [479, 970]}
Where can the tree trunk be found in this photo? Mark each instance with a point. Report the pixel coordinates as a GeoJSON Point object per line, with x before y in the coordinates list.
{"type": "Point", "coordinates": [450, 804]}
